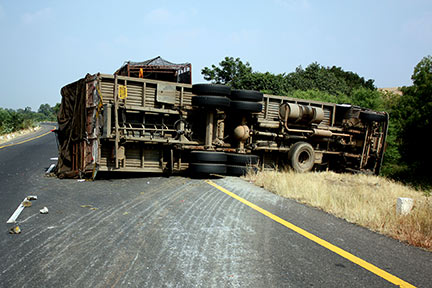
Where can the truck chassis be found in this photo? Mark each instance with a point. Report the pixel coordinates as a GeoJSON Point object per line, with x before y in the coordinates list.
{"type": "Point", "coordinates": [119, 123]}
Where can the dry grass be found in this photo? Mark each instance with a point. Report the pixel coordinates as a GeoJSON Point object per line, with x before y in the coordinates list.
{"type": "Point", "coordinates": [368, 201]}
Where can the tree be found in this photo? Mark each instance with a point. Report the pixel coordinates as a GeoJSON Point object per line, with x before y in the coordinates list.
{"type": "Point", "coordinates": [6, 125]}
{"type": "Point", "coordinates": [11, 120]}
{"type": "Point", "coordinates": [352, 80]}
{"type": "Point", "coordinates": [316, 77]}
{"type": "Point", "coordinates": [319, 96]}
{"type": "Point", "coordinates": [413, 116]}
{"type": "Point", "coordinates": [56, 109]}
{"type": "Point", "coordinates": [231, 72]}
{"type": "Point", "coordinates": [367, 98]}
{"type": "Point", "coordinates": [46, 110]}
{"type": "Point", "coordinates": [335, 81]}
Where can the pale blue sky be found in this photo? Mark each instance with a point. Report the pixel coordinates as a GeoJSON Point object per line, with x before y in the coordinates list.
{"type": "Point", "coordinates": [48, 44]}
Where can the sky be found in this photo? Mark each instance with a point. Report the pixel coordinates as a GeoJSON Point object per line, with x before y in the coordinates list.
{"type": "Point", "coordinates": [45, 45]}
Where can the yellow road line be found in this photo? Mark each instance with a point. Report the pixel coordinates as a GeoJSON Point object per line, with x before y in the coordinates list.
{"type": "Point", "coordinates": [33, 138]}
{"type": "Point", "coordinates": [366, 265]}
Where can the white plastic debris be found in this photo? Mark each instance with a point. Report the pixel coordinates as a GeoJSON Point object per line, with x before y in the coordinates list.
{"type": "Point", "coordinates": [404, 205]}
{"type": "Point", "coordinates": [23, 204]}
{"type": "Point", "coordinates": [54, 159]}
{"type": "Point", "coordinates": [81, 180]}
{"type": "Point", "coordinates": [44, 210]}
{"type": "Point", "coordinates": [50, 168]}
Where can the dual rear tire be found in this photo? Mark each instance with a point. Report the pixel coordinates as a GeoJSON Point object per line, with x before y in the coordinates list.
{"type": "Point", "coordinates": [215, 96]}
{"type": "Point", "coordinates": [207, 162]}
{"type": "Point", "coordinates": [203, 163]}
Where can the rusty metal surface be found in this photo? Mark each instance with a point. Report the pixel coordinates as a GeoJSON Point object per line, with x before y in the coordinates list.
{"type": "Point", "coordinates": [132, 124]}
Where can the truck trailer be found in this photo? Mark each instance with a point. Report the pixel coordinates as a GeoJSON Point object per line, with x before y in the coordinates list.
{"type": "Point", "coordinates": [118, 123]}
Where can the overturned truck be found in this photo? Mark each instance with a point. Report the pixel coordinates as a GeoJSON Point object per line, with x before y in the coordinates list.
{"type": "Point", "coordinates": [131, 124]}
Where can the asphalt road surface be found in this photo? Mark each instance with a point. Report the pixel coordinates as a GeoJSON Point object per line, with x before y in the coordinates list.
{"type": "Point", "coordinates": [179, 232]}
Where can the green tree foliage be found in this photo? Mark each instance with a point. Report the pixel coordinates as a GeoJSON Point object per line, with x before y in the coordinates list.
{"type": "Point", "coordinates": [352, 80]}
{"type": "Point", "coordinates": [11, 120]}
{"type": "Point", "coordinates": [364, 97]}
{"type": "Point", "coordinates": [6, 125]}
{"type": "Point", "coordinates": [413, 119]}
{"type": "Point", "coordinates": [318, 95]}
{"type": "Point", "coordinates": [231, 72]}
{"type": "Point", "coordinates": [55, 110]}
{"type": "Point", "coordinates": [46, 110]}
{"type": "Point", "coordinates": [316, 77]}
{"type": "Point", "coordinates": [315, 82]}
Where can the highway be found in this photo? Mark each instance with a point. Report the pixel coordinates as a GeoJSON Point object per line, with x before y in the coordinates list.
{"type": "Point", "coordinates": [153, 231]}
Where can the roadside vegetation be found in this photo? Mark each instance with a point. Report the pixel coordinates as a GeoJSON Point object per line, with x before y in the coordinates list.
{"type": "Point", "coordinates": [407, 158]}
{"type": "Point", "coordinates": [21, 119]}
{"type": "Point", "coordinates": [369, 201]}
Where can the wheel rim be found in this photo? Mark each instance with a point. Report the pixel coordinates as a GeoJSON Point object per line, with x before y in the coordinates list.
{"type": "Point", "coordinates": [304, 158]}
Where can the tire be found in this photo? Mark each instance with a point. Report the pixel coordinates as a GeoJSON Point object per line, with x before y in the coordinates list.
{"type": "Point", "coordinates": [242, 159]}
{"type": "Point", "coordinates": [372, 117]}
{"type": "Point", "coordinates": [301, 157]}
{"type": "Point", "coordinates": [234, 170]}
{"type": "Point", "coordinates": [246, 106]}
{"type": "Point", "coordinates": [207, 157]}
{"type": "Point", "coordinates": [211, 89]}
{"type": "Point", "coordinates": [246, 95]}
{"type": "Point", "coordinates": [206, 168]}
{"type": "Point", "coordinates": [207, 101]}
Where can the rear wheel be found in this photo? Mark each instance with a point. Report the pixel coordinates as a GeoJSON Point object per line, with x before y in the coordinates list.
{"type": "Point", "coordinates": [199, 169]}
{"type": "Point", "coordinates": [211, 101]}
{"type": "Point", "coordinates": [207, 157]}
{"type": "Point", "coordinates": [246, 95]}
{"type": "Point", "coordinates": [246, 106]}
{"type": "Point", "coordinates": [211, 89]}
{"type": "Point", "coordinates": [301, 157]}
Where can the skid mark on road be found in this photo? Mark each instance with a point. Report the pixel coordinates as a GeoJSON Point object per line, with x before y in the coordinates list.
{"type": "Point", "coordinates": [104, 237]}
{"type": "Point", "coordinates": [362, 263]}
{"type": "Point", "coordinates": [203, 241]}
{"type": "Point", "coordinates": [134, 232]}
{"type": "Point", "coordinates": [176, 224]}
{"type": "Point", "coordinates": [83, 242]}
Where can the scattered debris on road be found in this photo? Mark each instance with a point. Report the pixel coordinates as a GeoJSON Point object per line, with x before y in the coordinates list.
{"type": "Point", "coordinates": [50, 169]}
{"type": "Point", "coordinates": [44, 210]}
{"type": "Point", "coordinates": [25, 203]}
{"type": "Point", "coordinates": [15, 230]}
{"type": "Point", "coordinates": [90, 207]}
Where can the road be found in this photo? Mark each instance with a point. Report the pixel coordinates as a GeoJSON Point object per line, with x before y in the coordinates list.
{"type": "Point", "coordinates": [179, 232]}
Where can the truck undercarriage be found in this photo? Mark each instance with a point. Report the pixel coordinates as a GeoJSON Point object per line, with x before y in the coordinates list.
{"type": "Point", "coordinates": [130, 124]}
